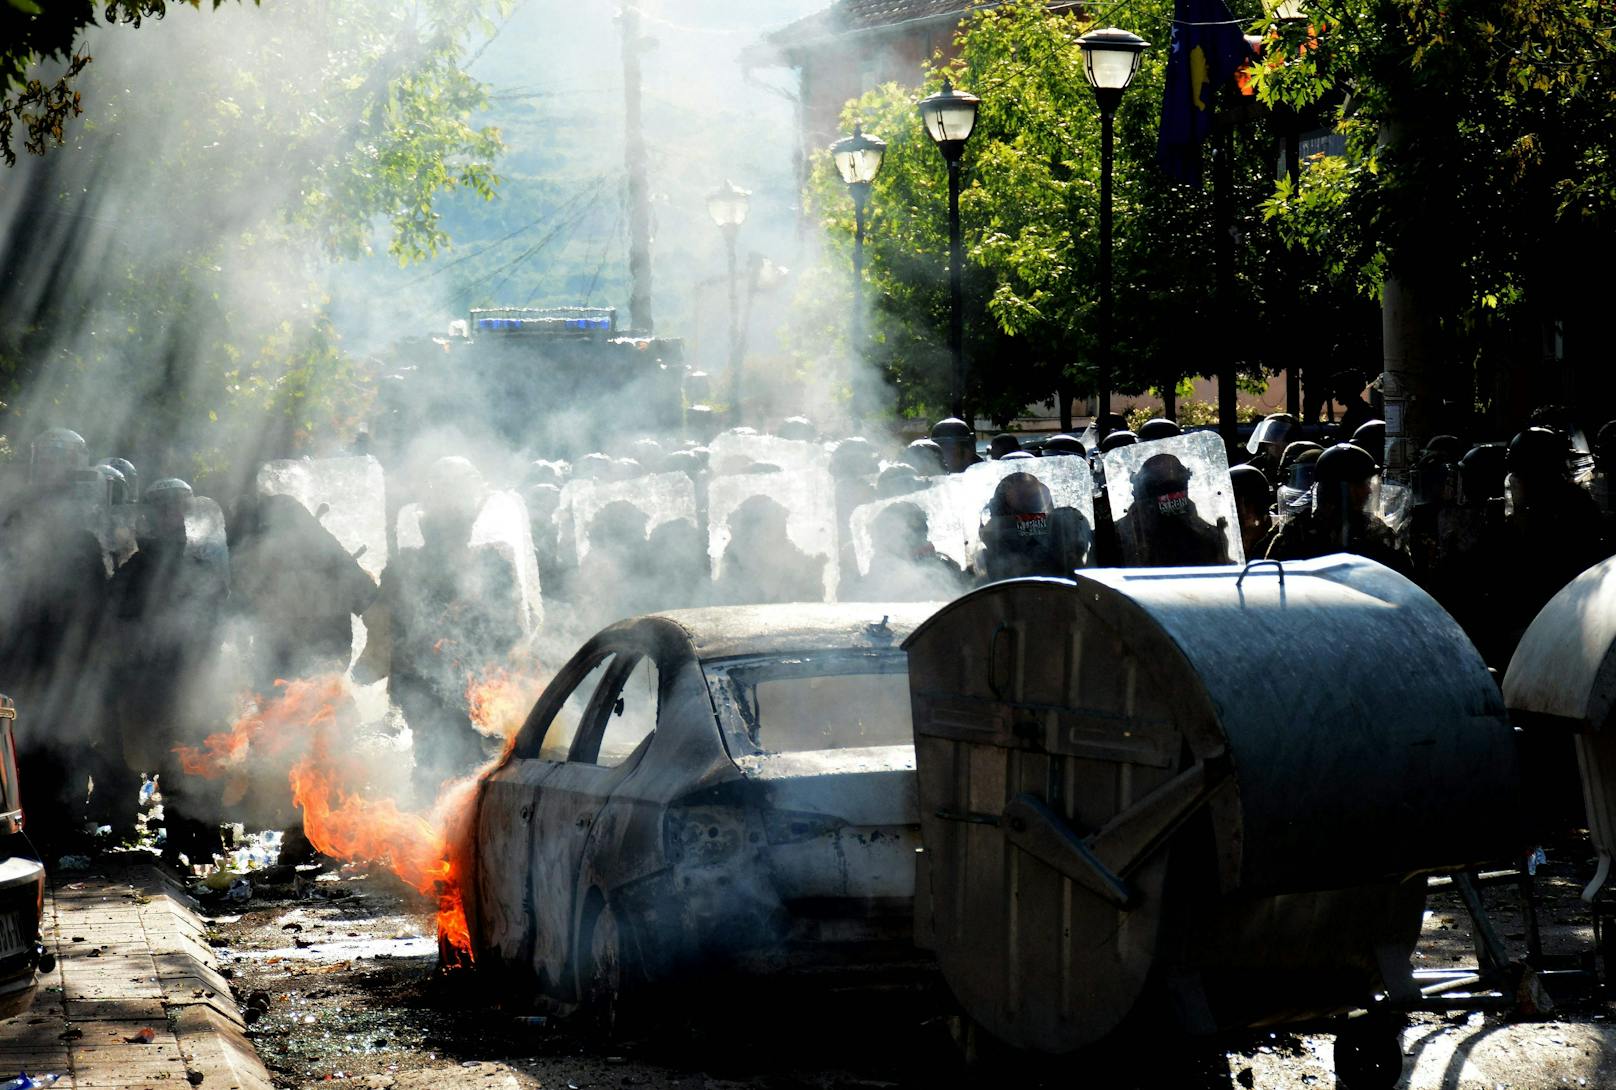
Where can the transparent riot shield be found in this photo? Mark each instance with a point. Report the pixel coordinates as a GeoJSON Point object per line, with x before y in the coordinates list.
{"type": "Point", "coordinates": [958, 509]}
{"type": "Point", "coordinates": [661, 497]}
{"type": "Point", "coordinates": [772, 535]}
{"type": "Point", "coordinates": [501, 525]}
{"type": "Point", "coordinates": [205, 539]}
{"type": "Point", "coordinates": [733, 451]}
{"type": "Point", "coordinates": [1172, 504]}
{"type": "Point", "coordinates": [347, 495]}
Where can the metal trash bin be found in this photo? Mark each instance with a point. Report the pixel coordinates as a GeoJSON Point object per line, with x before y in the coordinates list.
{"type": "Point", "coordinates": [1562, 680]}
{"type": "Point", "coordinates": [1197, 794]}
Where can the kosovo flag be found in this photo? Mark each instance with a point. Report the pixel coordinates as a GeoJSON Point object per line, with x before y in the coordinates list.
{"type": "Point", "coordinates": [1206, 49]}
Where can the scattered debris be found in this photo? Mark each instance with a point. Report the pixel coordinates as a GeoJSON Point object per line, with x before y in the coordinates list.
{"type": "Point", "coordinates": [142, 1037]}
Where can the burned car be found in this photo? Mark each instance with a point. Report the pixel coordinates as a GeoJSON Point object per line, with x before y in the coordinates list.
{"type": "Point", "coordinates": [703, 794]}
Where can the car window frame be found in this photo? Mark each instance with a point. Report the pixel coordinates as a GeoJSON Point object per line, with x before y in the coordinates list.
{"type": "Point", "coordinates": [732, 721]}
{"type": "Point", "coordinates": [529, 743]}
{"type": "Point", "coordinates": [592, 728]}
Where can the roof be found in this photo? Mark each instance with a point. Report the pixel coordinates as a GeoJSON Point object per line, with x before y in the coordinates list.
{"type": "Point", "coordinates": [849, 17]}
{"type": "Point", "coordinates": [728, 631]}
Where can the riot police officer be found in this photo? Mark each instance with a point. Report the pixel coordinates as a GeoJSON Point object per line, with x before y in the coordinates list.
{"type": "Point", "coordinates": [1342, 517]}
{"type": "Point", "coordinates": [1162, 527]}
{"type": "Point", "coordinates": [958, 443]}
{"type": "Point", "coordinates": [50, 616]}
{"type": "Point", "coordinates": [168, 599]}
{"type": "Point", "coordinates": [444, 611]}
{"type": "Point", "coordinates": [1023, 533]}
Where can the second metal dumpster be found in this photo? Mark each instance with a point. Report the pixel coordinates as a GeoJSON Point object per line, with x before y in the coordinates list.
{"type": "Point", "coordinates": [1562, 680]}
{"type": "Point", "coordinates": [1195, 794]}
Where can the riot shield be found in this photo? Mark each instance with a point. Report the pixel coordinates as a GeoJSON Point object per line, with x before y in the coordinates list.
{"type": "Point", "coordinates": [501, 525]}
{"type": "Point", "coordinates": [662, 497]}
{"type": "Point", "coordinates": [205, 540]}
{"type": "Point", "coordinates": [772, 535]}
{"type": "Point", "coordinates": [956, 505]}
{"type": "Point", "coordinates": [352, 492]}
{"type": "Point", "coordinates": [733, 451]}
{"type": "Point", "coordinates": [1172, 504]}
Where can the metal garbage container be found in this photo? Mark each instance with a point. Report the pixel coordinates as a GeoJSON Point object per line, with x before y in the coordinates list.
{"type": "Point", "coordinates": [1562, 680]}
{"type": "Point", "coordinates": [1203, 795]}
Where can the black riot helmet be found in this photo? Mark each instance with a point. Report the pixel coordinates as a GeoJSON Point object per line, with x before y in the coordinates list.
{"type": "Point", "coordinates": [131, 477]}
{"type": "Point", "coordinates": [898, 479]}
{"type": "Point", "coordinates": [55, 453]}
{"type": "Point", "coordinates": [1002, 444]}
{"type": "Point", "coordinates": [1163, 482]}
{"type": "Point", "coordinates": [1302, 469]}
{"type": "Point", "coordinates": [1295, 450]}
{"type": "Point", "coordinates": [1249, 484]}
{"type": "Point", "coordinates": [1481, 474]}
{"type": "Point", "coordinates": [1158, 428]}
{"type": "Point", "coordinates": [117, 486]}
{"type": "Point", "coordinates": [957, 440]}
{"type": "Point", "coordinates": [1063, 444]}
{"type": "Point", "coordinates": [1123, 438]}
{"type": "Point", "coordinates": [163, 510]}
{"type": "Point", "coordinates": [1019, 516]}
{"type": "Point", "coordinates": [797, 427]}
{"type": "Point", "coordinates": [854, 457]}
{"type": "Point", "coordinates": [1345, 463]}
{"type": "Point", "coordinates": [926, 456]}
{"type": "Point", "coordinates": [1371, 437]}
{"type": "Point", "coordinates": [1537, 454]}
{"type": "Point", "coordinates": [1449, 448]}
{"type": "Point", "coordinates": [1275, 431]}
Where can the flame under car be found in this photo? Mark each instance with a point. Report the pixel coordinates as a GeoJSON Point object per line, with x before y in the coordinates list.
{"type": "Point", "coordinates": [701, 794]}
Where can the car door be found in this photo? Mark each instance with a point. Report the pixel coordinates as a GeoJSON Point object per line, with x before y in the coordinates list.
{"type": "Point", "coordinates": [604, 750]}
{"type": "Point", "coordinates": [515, 866]}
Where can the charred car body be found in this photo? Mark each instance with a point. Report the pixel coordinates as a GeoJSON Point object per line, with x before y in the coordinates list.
{"type": "Point", "coordinates": [703, 793]}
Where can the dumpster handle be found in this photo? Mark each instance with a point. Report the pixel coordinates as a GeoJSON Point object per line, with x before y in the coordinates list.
{"type": "Point", "coordinates": [993, 658]}
{"type": "Point", "coordinates": [1278, 567]}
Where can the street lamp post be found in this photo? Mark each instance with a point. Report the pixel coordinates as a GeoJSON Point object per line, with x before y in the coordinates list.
{"type": "Point", "coordinates": [728, 206]}
{"type": "Point", "coordinates": [858, 161]}
{"type": "Point", "coordinates": [950, 116]}
{"type": "Point", "coordinates": [1110, 60]}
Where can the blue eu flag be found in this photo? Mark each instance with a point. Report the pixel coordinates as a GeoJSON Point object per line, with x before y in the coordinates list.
{"type": "Point", "coordinates": [1206, 49]}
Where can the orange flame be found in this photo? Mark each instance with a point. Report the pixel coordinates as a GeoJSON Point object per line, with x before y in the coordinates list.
{"type": "Point", "coordinates": [271, 727]}
{"type": "Point", "coordinates": [314, 719]}
{"type": "Point", "coordinates": [499, 698]}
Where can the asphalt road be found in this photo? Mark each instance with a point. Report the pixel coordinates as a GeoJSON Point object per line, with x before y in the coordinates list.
{"type": "Point", "coordinates": [345, 967]}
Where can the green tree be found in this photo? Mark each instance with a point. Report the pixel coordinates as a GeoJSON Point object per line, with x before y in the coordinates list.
{"type": "Point", "coordinates": [1030, 208]}
{"type": "Point", "coordinates": [163, 287]}
{"type": "Point", "coordinates": [1478, 167]}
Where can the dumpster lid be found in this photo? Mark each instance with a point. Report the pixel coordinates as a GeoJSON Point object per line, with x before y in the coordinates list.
{"type": "Point", "coordinates": [1565, 664]}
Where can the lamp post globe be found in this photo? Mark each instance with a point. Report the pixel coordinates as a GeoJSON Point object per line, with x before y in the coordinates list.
{"type": "Point", "coordinates": [728, 205]}
{"type": "Point", "coordinates": [950, 117]}
{"type": "Point", "coordinates": [1110, 61]}
{"type": "Point", "coordinates": [858, 157]}
{"type": "Point", "coordinates": [858, 161]}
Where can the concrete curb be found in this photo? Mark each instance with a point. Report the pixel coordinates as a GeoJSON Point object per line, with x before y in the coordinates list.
{"type": "Point", "coordinates": [201, 1008]}
{"type": "Point", "coordinates": [132, 955]}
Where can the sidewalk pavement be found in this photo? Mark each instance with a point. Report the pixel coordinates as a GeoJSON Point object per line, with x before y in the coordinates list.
{"type": "Point", "coordinates": [131, 956]}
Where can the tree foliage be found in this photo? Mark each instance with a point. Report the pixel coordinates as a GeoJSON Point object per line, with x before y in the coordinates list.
{"type": "Point", "coordinates": [181, 236]}
{"type": "Point", "coordinates": [1030, 208]}
{"type": "Point", "coordinates": [1479, 147]}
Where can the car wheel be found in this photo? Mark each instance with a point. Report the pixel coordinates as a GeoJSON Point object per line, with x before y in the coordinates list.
{"type": "Point", "coordinates": [604, 1003]}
